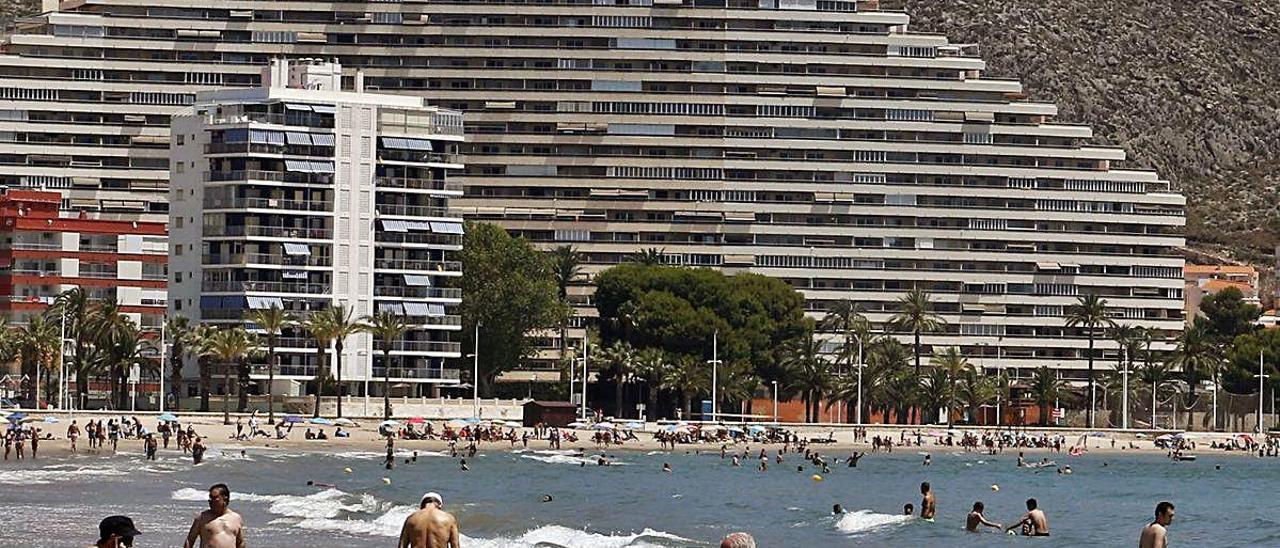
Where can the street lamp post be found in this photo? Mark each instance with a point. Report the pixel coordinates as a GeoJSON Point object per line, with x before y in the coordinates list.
{"type": "Point", "coordinates": [1124, 390]}
{"type": "Point", "coordinates": [858, 412]}
{"type": "Point", "coordinates": [475, 375]}
{"type": "Point", "coordinates": [1261, 377]}
{"type": "Point", "coordinates": [715, 365]}
{"type": "Point", "coordinates": [163, 353]}
{"type": "Point", "coordinates": [775, 400]}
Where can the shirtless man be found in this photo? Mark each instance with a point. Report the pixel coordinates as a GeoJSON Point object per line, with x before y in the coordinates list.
{"type": "Point", "coordinates": [928, 504]}
{"type": "Point", "coordinates": [219, 526]}
{"type": "Point", "coordinates": [1033, 523]}
{"type": "Point", "coordinates": [1155, 535]}
{"type": "Point", "coordinates": [73, 433]}
{"type": "Point", "coordinates": [976, 518]}
{"type": "Point", "coordinates": [430, 526]}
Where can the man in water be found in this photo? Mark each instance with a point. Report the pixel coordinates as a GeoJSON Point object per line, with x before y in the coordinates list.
{"type": "Point", "coordinates": [836, 509]}
{"type": "Point", "coordinates": [738, 540]}
{"type": "Point", "coordinates": [976, 518]}
{"type": "Point", "coordinates": [219, 526]}
{"type": "Point", "coordinates": [430, 526]}
{"type": "Point", "coordinates": [197, 451]}
{"type": "Point", "coordinates": [116, 532]}
{"type": "Point", "coordinates": [73, 434]}
{"type": "Point", "coordinates": [1033, 523]}
{"type": "Point", "coordinates": [908, 509]}
{"type": "Point", "coordinates": [928, 504]}
{"type": "Point", "coordinates": [1155, 534]}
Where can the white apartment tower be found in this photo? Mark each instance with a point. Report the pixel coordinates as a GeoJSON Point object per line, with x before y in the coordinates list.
{"type": "Point", "coordinates": [818, 141]}
{"type": "Point", "coordinates": [300, 195]}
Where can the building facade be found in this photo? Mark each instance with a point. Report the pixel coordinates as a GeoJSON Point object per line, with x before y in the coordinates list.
{"type": "Point", "coordinates": [300, 196]}
{"type": "Point", "coordinates": [1204, 280]}
{"type": "Point", "coordinates": [820, 142]}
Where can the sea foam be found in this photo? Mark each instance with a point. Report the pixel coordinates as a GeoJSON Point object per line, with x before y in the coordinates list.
{"type": "Point", "coordinates": [865, 521]}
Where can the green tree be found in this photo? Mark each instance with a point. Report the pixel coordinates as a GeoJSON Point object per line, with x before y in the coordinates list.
{"type": "Point", "coordinates": [619, 360]}
{"type": "Point", "coordinates": [387, 328]}
{"type": "Point", "coordinates": [1196, 355]}
{"type": "Point", "coordinates": [809, 371]}
{"type": "Point", "coordinates": [37, 345]}
{"type": "Point", "coordinates": [1046, 388]}
{"type": "Point", "coordinates": [510, 291]}
{"type": "Point", "coordinates": [271, 321]}
{"type": "Point", "coordinates": [1227, 316]}
{"type": "Point", "coordinates": [1090, 313]}
{"type": "Point", "coordinates": [955, 364]}
{"type": "Point", "coordinates": [202, 346]}
{"type": "Point", "coordinates": [935, 391]}
{"type": "Point", "coordinates": [566, 265]}
{"type": "Point", "coordinates": [688, 376]}
{"type": "Point", "coordinates": [976, 391]}
{"type": "Point", "coordinates": [180, 334]}
{"type": "Point", "coordinates": [341, 324]}
{"type": "Point", "coordinates": [915, 316]}
{"type": "Point", "coordinates": [650, 364]}
{"type": "Point", "coordinates": [74, 306]}
{"type": "Point", "coordinates": [845, 319]}
{"type": "Point", "coordinates": [651, 256]}
{"type": "Point", "coordinates": [887, 361]}
{"type": "Point", "coordinates": [232, 346]}
{"type": "Point", "coordinates": [322, 331]}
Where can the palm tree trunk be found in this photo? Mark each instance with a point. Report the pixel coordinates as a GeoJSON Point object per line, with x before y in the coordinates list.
{"type": "Point", "coordinates": [337, 369]}
{"type": "Point", "coordinates": [315, 413]}
{"type": "Point", "coordinates": [386, 381]}
{"type": "Point", "coordinates": [226, 393]}
{"type": "Point", "coordinates": [271, 381]}
{"type": "Point", "coordinates": [617, 392]}
{"type": "Point", "coordinates": [916, 410]}
{"type": "Point", "coordinates": [175, 375]}
{"type": "Point", "coordinates": [205, 380]}
{"type": "Point", "coordinates": [1092, 384]}
{"type": "Point", "coordinates": [242, 384]}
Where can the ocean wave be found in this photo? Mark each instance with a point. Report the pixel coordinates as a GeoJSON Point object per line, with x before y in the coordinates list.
{"type": "Point", "coordinates": [322, 504]}
{"type": "Point", "coordinates": [558, 536]}
{"type": "Point", "coordinates": [44, 476]}
{"type": "Point", "coordinates": [865, 521]}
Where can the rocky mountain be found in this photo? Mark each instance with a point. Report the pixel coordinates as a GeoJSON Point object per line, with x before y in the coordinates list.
{"type": "Point", "coordinates": [1187, 88]}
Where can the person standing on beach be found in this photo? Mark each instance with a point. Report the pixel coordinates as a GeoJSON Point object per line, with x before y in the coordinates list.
{"type": "Point", "coordinates": [928, 504]}
{"type": "Point", "coordinates": [73, 433]}
{"type": "Point", "coordinates": [430, 526]}
{"type": "Point", "coordinates": [1155, 534]}
{"type": "Point", "coordinates": [219, 526]}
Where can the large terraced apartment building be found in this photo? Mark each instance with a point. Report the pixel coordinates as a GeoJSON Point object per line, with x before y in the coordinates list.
{"type": "Point", "coordinates": [817, 141]}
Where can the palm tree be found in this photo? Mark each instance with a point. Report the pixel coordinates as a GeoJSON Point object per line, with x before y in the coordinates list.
{"type": "Point", "coordinates": [202, 345]}
{"type": "Point", "coordinates": [232, 346]}
{"type": "Point", "coordinates": [887, 360]}
{"type": "Point", "coordinates": [619, 357]}
{"type": "Point", "coordinates": [387, 327]}
{"type": "Point", "coordinates": [1045, 388]}
{"type": "Point", "coordinates": [935, 390]}
{"type": "Point", "coordinates": [954, 363]}
{"type": "Point", "coordinates": [1158, 376]}
{"type": "Point", "coordinates": [1090, 312]}
{"type": "Point", "coordinates": [1196, 355]}
{"type": "Point", "coordinates": [689, 376]}
{"type": "Point", "coordinates": [1129, 340]}
{"type": "Point", "coordinates": [108, 329]}
{"type": "Point", "coordinates": [74, 306]}
{"type": "Point", "coordinates": [915, 316]}
{"type": "Point", "coordinates": [37, 346]}
{"type": "Point", "coordinates": [322, 331]}
{"type": "Point", "coordinates": [181, 339]}
{"type": "Point", "coordinates": [845, 319]}
{"type": "Point", "coordinates": [272, 322]}
{"type": "Point", "coordinates": [124, 348]}
{"type": "Point", "coordinates": [738, 382]}
{"type": "Point", "coordinates": [808, 369]}
{"type": "Point", "coordinates": [650, 363]}
{"type": "Point", "coordinates": [344, 325]}
{"type": "Point", "coordinates": [649, 256]}
{"type": "Point", "coordinates": [976, 391]}
{"type": "Point", "coordinates": [566, 265]}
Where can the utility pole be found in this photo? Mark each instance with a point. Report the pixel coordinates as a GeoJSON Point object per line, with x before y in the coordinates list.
{"type": "Point", "coordinates": [1124, 414]}
{"type": "Point", "coordinates": [715, 364]}
{"type": "Point", "coordinates": [858, 412]}
{"type": "Point", "coordinates": [475, 375]}
{"type": "Point", "coordinates": [1261, 377]}
{"type": "Point", "coordinates": [584, 378]}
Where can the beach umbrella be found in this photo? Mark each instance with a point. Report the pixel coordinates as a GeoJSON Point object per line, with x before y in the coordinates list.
{"type": "Point", "coordinates": [51, 420]}
{"type": "Point", "coordinates": [1165, 437]}
{"type": "Point", "coordinates": [472, 420]}
{"type": "Point", "coordinates": [512, 424]}
{"type": "Point", "coordinates": [293, 419]}
{"type": "Point", "coordinates": [455, 423]}
{"type": "Point", "coordinates": [603, 426]}
{"type": "Point", "coordinates": [321, 421]}
{"type": "Point", "coordinates": [580, 425]}
{"type": "Point", "coordinates": [389, 423]}
{"type": "Point", "coordinates": [634, 425]}
{"type": "Point", "coordinates": [344, 422]}
{"type": "Point", "coordinates": [167, 417]}
{"type": "Point", "coordinates": [15, 417]}
{"type": "Point", "coordinates": [735, 430]}
{"type": "Point", "coordinates": [416, 420]}
{"type": "Point", "coordinates": [755, 429]}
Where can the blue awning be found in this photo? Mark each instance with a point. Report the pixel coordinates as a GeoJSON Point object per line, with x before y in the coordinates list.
{"type": "Point", "coordinates": [298, 138]}
{"type": "Point", "coordinates": [296, 249]}
{"type": "Point", "coordinates": [446, 228]}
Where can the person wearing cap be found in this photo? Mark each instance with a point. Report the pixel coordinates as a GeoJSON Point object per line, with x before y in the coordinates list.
{"type": "Point", "coordinates": [430, 526]}
{"type": "Point", "coordinates": [116, 532]}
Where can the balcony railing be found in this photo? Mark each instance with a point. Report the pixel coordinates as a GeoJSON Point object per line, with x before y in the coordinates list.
{"type": "Point", "coordinates": [416, 184]}
{"type": "Point", "coordinates": [268, 203]}
{"type": "Point", "coordinates": [417, 292]}
{"type": "Point", "coordinates": [307, 120]}
{"type": "Point", "coordinates": [418, 265]}
{"type": "Point", "coordinates": [417, 157]}
{"type": "Point", "coordinates": [269, 232]}
{"type": "Point", "coordinates": [414, 210]}
{"type": "Point", "coordinates": [416, 238]}
{"type": "Point", "coordinates": [419, 346]}
{"type": "Point", "coordinates": [417, 373]}
{"type": "Point", "coordinates": [267, 287]}
{"type": "Point", "coordinates": [245, 148]}
{"type": "Point", "coordinates": [277, 176]}
{"type": "Point", "coordinates": [434, 320]}
{"type": "Point", "coordinates": [34, 245]}
{"type": "Point", "coordinates": [266, 258]}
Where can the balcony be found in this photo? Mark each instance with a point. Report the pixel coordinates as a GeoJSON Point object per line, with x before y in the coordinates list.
{"type": "Point", "coordinates": [434, 320]}
{"type": "Point", "coordinates": [418, 265]}
{"type": "Point", "coordinates": [419, 346]}
{"type": "Point", "coordinates": [418, 157]}
{"type": "Point", "coordinates": [263, 148]}
{"type": "Point", "coordinates": [265, 258]}
{"type": "Point", "coordinates": [35, 245]}
{"type": "Point", "coordinates": [275, 176]}
{"type": "Point", "coordinates": [416, 184]}
{"type": "Point", "coordinates": [417, 292]}
{"type": "Point", "coordinates": [417, 238]}
{"type": "Point", "coordinates": [265, 287]}
{"type": "Point", "coordinates": [268, 203]}
{"type": "Point", "coordinates": [417, 373]}
{"type": "Point", "coordinates": [256, 231]}
{"type": "Point", "coordinates": [304, 120]}
{"type": "Point", "coordinates": [414, 210]}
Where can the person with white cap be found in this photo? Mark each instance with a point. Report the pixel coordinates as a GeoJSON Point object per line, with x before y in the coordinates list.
{"type": "Point", "coordinates": [430, 526]}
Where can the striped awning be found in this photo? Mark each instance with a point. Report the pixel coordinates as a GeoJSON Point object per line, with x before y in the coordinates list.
{"type": "Point", "coordinates": [418, 280]}
{"type": "Point", "coordinates": [394, 308]}
{"type": "Point", "coordinates": [447, 228]}
{"type": "Point", "coordinates": [295, 106]}
{"type": "Point", "coordinates": [294, 275]}
{"type": "Point", "coordinates": [263, 303]}
{"type": "Point", "coordinates": [298, 138]}
{"type": "Point", "coordinates": [406, 143]}
{"type": "Point", "coordinates": [300, 166]}
{"type": "Point", "coordinates": [395, 226]}
{"type": "Point", "coordinates": [322, 139]}
{"type": "Point", "coordinates": [296, 249]}
{"type": "Point", "coordinates": [323, 109]}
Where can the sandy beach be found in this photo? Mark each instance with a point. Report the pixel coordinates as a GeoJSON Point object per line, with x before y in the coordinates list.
{"type": "Point", "coordinates": [364, 437]}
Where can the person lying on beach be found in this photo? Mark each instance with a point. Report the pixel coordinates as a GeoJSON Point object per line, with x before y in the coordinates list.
{"type": "Point", "coordinates": [976, 518]}
{"type": "Point", "coordinates": [1034, 523]}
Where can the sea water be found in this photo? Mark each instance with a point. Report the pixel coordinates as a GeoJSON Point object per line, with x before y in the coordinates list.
{"type": "Point", "coordinates": [1105, 502]}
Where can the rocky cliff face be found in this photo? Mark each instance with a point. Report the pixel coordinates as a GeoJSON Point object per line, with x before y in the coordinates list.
{"type": "Point", "coordinates": [1191, 89]}
{"type": "Point", "coordinates": [16, 8]}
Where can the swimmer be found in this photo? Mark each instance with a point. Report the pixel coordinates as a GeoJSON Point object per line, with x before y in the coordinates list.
{"type": "Point", "coordinates": [1034, 523]}
{"type": "Point", "coordinates": [430, 526]}
{"type": "Point", "coordinates": [976, 518]}
{"type": "Point", "coordinates": [546, 498]}
{"type": "Point", "coordinates": [1022, 460]}
{"type": "Point", "coordinates": [1155, 534]}
{"type": "Point", "coordinates": [908, 509]}
{"type": "Point", "coordinates": [464, 465]}
{"type": "Point", "coordinates": [666, 467]}
{"type": "Point", "coordinates": [836, 509]}
{"type": "Point", "coordinates": [928, 504]}
{"type": "Point", "coordinates": [325, 485]}
{"type": "Point", "coordinates": [928, 460]}
{"type": "Point", "coordinates": [736, 462]}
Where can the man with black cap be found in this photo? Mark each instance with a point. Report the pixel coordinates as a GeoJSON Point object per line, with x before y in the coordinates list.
{"type": "Point", "coordinates": [430, 527]}
{"type": "Point", "coordinates": [116, 532]}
